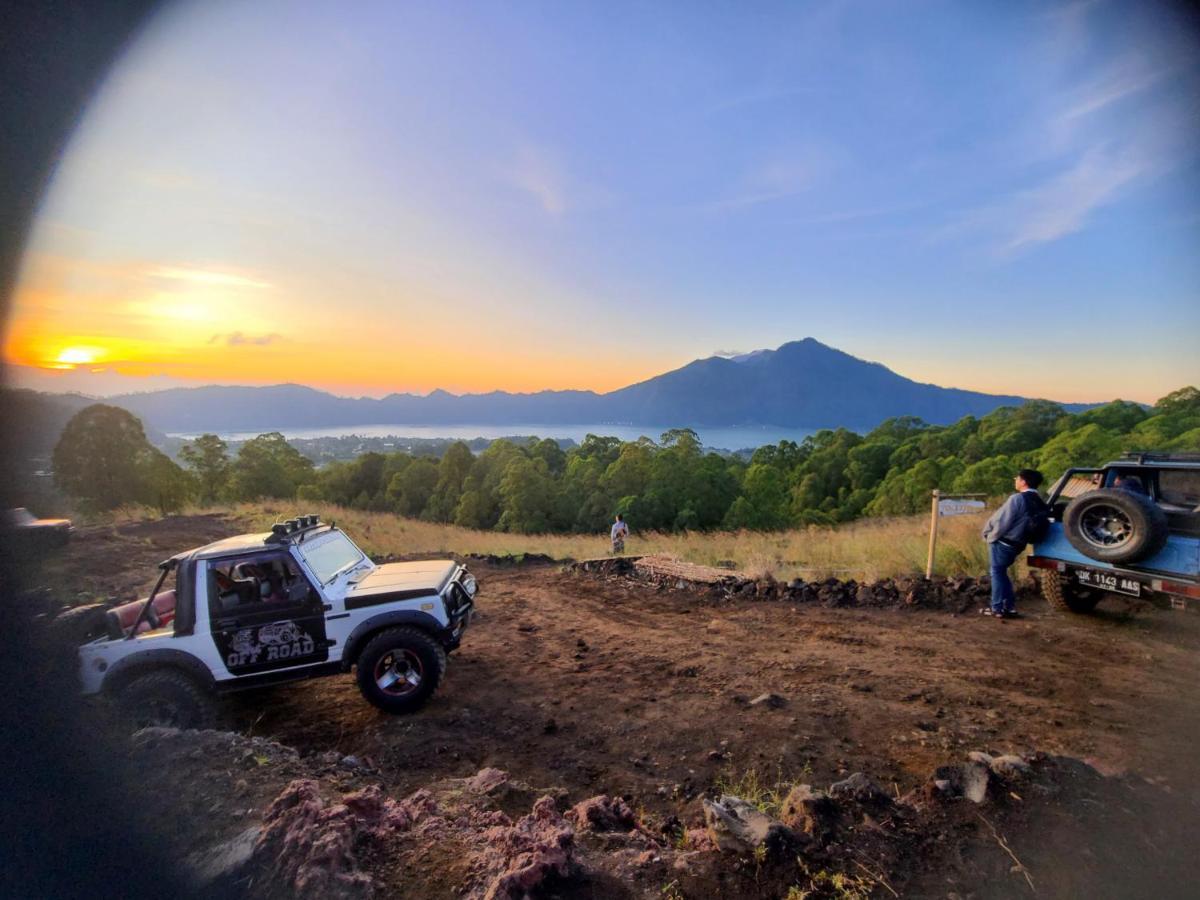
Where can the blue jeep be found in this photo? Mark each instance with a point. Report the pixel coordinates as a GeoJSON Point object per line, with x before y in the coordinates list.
{"type": "Point", "coordinates": [1130, 527]}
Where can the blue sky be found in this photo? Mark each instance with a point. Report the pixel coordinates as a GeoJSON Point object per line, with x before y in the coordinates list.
{"type": "Point", "coordinates": [396, 196]}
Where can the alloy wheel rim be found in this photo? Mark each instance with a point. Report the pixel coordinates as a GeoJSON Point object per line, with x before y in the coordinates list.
{"type": "Point", "coordinates": [399, 672]}
{"type": "Point", "coordinates": [1106, 526]}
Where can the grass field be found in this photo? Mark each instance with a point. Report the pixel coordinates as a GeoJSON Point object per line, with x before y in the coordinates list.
{"type": "Point", "coordinates": [868, 549]}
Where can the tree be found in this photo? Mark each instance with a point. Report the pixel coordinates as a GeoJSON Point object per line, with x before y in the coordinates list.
{"type": "Point", "coordinates": [268, 466]}
{"type": "Point", "coordinates": [411, 489]}
{"type": "Point", "coordinates": [453, 470]}
{"type": "Point", "coordinates": [208, 459]}
{"type": "Point", "coordinates": [102, 458]}
{"type": "Point", "coordinates": [1090, 445]}
{"type": "Point", "coordinates": [1186, 400]}
{"type": "Point", "coordinates": [764, 501]}
{"type": "Point", "coordinates": [527, 496]}
{"type": "Point", "coordinates": [165, 485]}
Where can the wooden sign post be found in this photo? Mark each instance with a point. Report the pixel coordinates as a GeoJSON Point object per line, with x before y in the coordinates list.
{"type": "Point", "coordinates": [948, 505]}
{"type": "Point", "coordinates": [933, 525]}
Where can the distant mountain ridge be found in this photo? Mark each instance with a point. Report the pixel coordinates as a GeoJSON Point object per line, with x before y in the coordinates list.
{"type": "Point", "coordinates": [803, 384]}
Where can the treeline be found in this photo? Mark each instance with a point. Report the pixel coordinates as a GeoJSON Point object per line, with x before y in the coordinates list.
{"type": "Point", "coordinates": [536, 486]}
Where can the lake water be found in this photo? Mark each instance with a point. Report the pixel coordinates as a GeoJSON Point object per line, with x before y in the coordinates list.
{"type": "Point", "coordinates": [717, 438]}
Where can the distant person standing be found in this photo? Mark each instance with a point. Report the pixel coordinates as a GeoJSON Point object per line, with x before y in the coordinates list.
{"type": "Point", "coordinates": [1011, 527]}
{"type": "Point", "coordinates": [619, 532]}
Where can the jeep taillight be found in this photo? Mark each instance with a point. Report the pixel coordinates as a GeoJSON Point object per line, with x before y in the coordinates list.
{"type": "Point", "coordinates": [1040, 562]}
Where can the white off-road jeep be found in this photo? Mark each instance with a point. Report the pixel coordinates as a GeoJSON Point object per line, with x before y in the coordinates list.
{"type": "Point", "coordinates": [260, 609]}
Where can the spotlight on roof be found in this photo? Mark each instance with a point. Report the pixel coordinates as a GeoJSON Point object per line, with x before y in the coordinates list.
{"type": "Point", "coordinates": [279, 529]}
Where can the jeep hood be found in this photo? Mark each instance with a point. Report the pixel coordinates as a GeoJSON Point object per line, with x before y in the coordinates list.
{"type": "Point", "coordinates": [405, 580]}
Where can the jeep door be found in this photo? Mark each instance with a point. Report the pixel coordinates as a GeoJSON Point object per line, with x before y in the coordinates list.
{"type": "Point", "coordinates": [265, 614]}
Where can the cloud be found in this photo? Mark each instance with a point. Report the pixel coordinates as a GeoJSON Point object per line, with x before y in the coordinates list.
{"type": "Point", "coordinates": [540, 173]}
{"type": "Point", "coordinates": [777, 179]}
{"type": "Point", "coordinates": [1117, 84]}
{"type": "Point", "coordinates": [728, 353]}
{"type": "Point", "coordinates": [239, 339]}
{"type": "Point", "coordinates": [1062, 205]}
{"type": "Point", "coordinates": [1058, 207]}
{"type": "Point", "coordinates": [206, 277]}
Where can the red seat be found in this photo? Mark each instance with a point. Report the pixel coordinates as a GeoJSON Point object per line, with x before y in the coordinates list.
{"type": "Point", "coordinates": [126, 614]}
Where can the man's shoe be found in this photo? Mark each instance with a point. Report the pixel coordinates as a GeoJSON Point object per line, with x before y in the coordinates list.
{"type": "Point", "coordinates": [988, 611]}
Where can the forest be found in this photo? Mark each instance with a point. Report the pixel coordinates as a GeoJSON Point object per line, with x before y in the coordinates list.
{"type": "Point", "coordinates": [104, 460]}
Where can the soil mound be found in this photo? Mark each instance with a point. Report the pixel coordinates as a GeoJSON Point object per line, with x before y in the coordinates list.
{"type": "Point", "coordinates": [262, 820]}
{"type": "Point", "coordinates": [956, 594]}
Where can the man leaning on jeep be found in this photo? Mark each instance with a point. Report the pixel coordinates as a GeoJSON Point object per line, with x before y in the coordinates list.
{"type": "Point", "coordinates": [1006, 536]}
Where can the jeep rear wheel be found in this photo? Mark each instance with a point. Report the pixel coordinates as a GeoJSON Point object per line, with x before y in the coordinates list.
{"type": "Point", "coordinates": [1064, 596]}
{"type": "Point", "coordinates": [1115, 526]}
{"type": "Point", "coordinates": [400, 668]}
{"type": "Point", "coordinates": [168, 698]}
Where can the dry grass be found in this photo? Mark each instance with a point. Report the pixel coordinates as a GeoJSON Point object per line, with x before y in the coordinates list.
{"type": "Point", "coordinates": [865, 550]}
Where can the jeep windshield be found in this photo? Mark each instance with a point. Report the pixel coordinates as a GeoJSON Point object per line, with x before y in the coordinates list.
{"type": "Point", "coordinates": [331, 556]}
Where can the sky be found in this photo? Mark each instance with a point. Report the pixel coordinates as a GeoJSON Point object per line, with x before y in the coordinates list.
{"type": "Point", "coordinates": [377, 197]}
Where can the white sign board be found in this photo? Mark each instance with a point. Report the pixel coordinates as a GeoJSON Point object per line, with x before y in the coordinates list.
{"type": "Point", "coordinates": [959, 507]}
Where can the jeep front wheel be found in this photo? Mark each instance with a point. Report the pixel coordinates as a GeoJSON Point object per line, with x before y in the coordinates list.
{"type": "Point", "coordinates": [168, 698]}
{"type": "Point", "coordinates": [400, 668]}
{"type": "Point", "coordinates": [1064, 596]}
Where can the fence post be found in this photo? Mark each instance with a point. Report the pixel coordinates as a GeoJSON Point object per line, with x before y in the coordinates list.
{"type": "Point", "coordinates": [933, 529]}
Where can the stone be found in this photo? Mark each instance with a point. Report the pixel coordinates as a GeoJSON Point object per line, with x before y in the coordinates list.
{"type": "Point", "coordinates": [1010, 766]}
{"type": "Point", "coordinates": [603, 813]}
{"type": "Point", "coordinates": [970, 780]}
{"type": "Point", "coordinates": [225, 860]}
{"type": "Point", "coordinates": [735, 825]}
{"type": "Point", "coordinates": [771, 701]}
{"type": "Point", "coordinates": [809, 811]}
{"type": "Point", "coordinates": [859, 788]}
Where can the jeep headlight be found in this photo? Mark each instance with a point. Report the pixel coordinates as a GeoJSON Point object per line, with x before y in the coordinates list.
{"type": "Point", "coordinates": [470, 585]}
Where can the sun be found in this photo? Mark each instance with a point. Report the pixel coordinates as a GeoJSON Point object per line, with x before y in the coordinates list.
{"type": "Point", "coordinates": [76, 356]}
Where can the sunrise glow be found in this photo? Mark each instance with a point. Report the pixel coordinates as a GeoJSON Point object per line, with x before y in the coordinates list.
{"type": "Point", "coordinates": [76, 356]}
{"type": "Point", "coordinates": [532, 212]}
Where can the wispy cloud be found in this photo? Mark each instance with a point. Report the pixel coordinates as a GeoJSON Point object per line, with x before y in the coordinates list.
{"type": "Point", "coordinates": [1062, 205]}
{"type": "Point", "coordinates": [835, 217]}
{"type": "Point", "coordinates": [1057, 207]}
{"type": "Point", "coordinates": [774, 179]}
{"type": "Point", "coordinates": [206, 277]}
{"type": "Point", "coordinates": [542, 175]}
{"type": "Point", "coordinates": [240, 339]}
{"type": "Point", "coordinates": [753, 98]}
{"type": "Point", "coordinates": [1120, 82]}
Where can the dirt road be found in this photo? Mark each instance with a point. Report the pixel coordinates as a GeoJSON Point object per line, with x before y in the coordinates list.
{"type": "Point", "coordinates": [604, 685]}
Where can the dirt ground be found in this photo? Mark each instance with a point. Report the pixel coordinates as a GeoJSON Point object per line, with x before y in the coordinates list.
{"type": "Point", "coordinates": [603, 685]}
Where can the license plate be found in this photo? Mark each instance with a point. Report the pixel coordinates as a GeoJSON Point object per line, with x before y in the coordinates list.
{"type": "Point", "coordinates": [1102, 581]}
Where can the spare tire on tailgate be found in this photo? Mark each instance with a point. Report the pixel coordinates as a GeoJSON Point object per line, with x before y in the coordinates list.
{"type": "Point", "coordinates": [1115, 526]}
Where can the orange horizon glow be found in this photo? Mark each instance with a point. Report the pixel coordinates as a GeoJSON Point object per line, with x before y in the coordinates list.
{"type": "Point", "coordinates": [205, 326]}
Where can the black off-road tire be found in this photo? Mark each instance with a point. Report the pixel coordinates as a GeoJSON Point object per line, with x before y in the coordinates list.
{"type": "Point", "coordinates": [80, 624]}
{"type": "Point", "coordinates": [1066, 597]}
{"type": "Point", "coordinates": [410, 660]}
{"type": "Point", "coordinates": [167, 697]}
{"type": "Point", "coordinates": [1115, 526]}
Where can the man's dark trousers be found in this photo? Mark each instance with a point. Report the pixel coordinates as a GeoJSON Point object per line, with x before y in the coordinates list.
{"type": "Point", "coordinates": [1003, 555]}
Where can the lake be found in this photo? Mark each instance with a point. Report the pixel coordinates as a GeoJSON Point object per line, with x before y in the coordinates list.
{"type": "Point", "coordinates": [717, 438]}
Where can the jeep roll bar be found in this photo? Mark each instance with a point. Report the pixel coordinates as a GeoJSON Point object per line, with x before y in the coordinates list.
{"type": "Point", "coordinates": [1064, 479]}
{"type": "Point", "coordinates": [167, 566]}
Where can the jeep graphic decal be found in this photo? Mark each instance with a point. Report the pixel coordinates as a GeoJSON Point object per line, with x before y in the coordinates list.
{"type": "Point", "coordinates": [268, 646]}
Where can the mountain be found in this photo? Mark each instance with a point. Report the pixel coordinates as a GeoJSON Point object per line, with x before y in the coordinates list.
{"type": "Point", "coordinates": [803, 385]}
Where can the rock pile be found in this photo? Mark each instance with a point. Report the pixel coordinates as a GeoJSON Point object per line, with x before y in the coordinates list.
{"type": "Point", "coordinates": [957, 594]}
{"type": "Point", "coordinates": [310, 826]}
